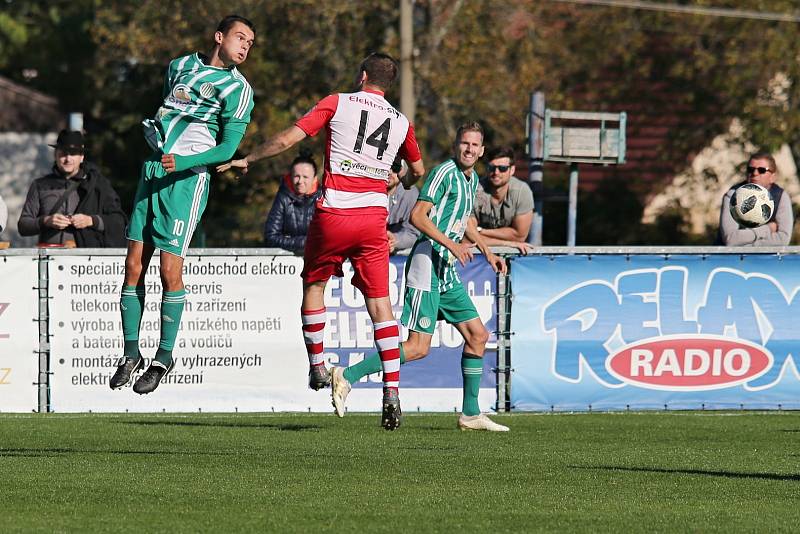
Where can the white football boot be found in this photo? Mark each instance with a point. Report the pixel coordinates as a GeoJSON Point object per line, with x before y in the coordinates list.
{"type": "Point", "coordinates": [479, 422]}
{"type": "Point", "coordinates": [340, 388]}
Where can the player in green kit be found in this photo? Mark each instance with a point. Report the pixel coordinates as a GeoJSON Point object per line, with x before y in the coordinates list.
{"type": "Point", "coordinates": [433, 288]}
{"type": "Point", "coordinates": [203, 117]}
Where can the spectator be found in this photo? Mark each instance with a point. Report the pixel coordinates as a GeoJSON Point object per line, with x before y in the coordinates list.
{"type": "Point", "coordinates": [75, 204]}
{"type": "Point", "coordinates": [503, 204]}
{"type": "Point", "coordinates": [3, 215]}
{"type": "Point", "coordinates": [401, 233]}
{"type": "Point", "coordinates": [287, 223]}
{"type": "Point", "coordinates": [761, 170]}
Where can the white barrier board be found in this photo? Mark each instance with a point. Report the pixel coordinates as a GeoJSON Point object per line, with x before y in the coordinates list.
{"type": "Point", "coordinates": [19, 333]}
{"type": "Point", "coordinates": [240, 346]}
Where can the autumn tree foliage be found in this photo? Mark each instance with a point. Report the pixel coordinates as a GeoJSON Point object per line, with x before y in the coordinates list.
{"type": "Point", "coordinates": [473, 59]}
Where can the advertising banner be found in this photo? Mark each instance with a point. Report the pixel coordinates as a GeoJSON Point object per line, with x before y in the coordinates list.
{"type": "Point", "coordinates": [240, 346]}
{"type": "Point", "coordinates": [430, 384]}
{"type": "Point", "coordinates": [616, 332]}
{"type": "Point", "coordinates": [19, 333]}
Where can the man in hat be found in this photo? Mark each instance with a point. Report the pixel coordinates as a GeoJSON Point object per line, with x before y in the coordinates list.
{"type": "Point", "coordinates": [73, 205]}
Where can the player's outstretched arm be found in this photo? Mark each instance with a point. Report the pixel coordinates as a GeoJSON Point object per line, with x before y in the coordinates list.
{"type": "Point", "coordinates": [497, 263]}
{"type": "Point", "coordinates": [416, 170]}
{"type": "Point", "coordinates": [271, 147]}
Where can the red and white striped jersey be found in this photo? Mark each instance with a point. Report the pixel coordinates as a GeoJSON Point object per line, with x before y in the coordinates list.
{"type": "Point", "coordinates": [365, 134]}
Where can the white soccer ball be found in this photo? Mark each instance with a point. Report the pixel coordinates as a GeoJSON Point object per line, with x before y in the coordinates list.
{"type": "Point", "coordinates": [751, 205]}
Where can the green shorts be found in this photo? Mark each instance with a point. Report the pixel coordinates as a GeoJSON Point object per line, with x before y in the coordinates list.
{"type": "Point", "coordinates": [423, 308]}
{"type": "Point", "coordinates": [167, 207]}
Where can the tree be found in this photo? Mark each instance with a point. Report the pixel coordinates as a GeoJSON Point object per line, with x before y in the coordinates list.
{"type": "Point", "coordinates": [475, 59]}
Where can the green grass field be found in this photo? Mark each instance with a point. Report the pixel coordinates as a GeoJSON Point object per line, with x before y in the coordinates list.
{"type": "Point", "coordinates": [301, 472]}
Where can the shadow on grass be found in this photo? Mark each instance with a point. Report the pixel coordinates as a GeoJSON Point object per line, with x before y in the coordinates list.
{"type": "Point", "coordinates": [60, 451]}
{"type": "Point", "coordinates": [289, 427]}
{"type": "Point", "coordinates": [724, 474]}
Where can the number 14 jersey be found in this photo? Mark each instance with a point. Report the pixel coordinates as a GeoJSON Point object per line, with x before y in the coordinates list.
{"type": "Point", "coordinates": [365, 134]}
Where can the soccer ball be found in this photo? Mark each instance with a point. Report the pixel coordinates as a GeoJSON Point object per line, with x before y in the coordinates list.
{"type": "Point", "coordinates": [751, 205]}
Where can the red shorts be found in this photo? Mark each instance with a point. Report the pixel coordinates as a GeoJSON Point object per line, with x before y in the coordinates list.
{"type": "Point", "coordinates": [334, 238]}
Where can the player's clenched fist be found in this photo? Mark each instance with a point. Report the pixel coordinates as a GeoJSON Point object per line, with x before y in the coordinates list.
{"type": "Point", "coordinates": [168, 162]}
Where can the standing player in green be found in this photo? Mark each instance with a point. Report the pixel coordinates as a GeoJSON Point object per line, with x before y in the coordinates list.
{"type": "Point", "coordinates": [433, 288]}
{"type": "Point", "coordinates": [205, 99]}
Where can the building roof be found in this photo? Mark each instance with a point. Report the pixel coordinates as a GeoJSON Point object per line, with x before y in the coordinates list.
{"type": "Point", "coordinates": [28, 110]}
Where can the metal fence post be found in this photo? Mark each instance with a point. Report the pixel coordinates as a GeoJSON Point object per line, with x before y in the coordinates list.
{"type": "Point", "coordinates": [503, 369]}
{"type": "Point", "coordinates": [43, 287]}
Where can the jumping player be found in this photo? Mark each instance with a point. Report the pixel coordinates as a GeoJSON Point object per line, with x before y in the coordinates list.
{"type": "Point", "coordinates": [365, 134]}
{"type": "Point", "coordinates": [433, 288]}
{"type": "Point", "coordinates": [205, 97]}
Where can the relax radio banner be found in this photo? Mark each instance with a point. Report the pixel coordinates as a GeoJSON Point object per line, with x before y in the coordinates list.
{"type": "Point", "coordinates": [623, 332]}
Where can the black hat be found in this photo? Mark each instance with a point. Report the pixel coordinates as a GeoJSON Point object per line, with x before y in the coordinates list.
{"type": "Point", "coordinates": [70, 141]}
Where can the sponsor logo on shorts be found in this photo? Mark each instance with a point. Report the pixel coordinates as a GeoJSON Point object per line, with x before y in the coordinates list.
{"type": "Point", "coordinates": [167, 319]}
{"type": "Point", "coordinates": [353, 167]}
{"type": "Point", "coordinates": [174, 243]}
{"type": "Point", "coordinates": [425, 322]}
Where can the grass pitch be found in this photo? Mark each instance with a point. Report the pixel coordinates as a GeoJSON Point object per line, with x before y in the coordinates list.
{"type": "Point", "coordinates": [301, 472]}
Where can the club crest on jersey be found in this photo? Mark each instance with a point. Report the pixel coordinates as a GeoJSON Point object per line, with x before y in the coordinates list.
{"type": "Point", "coordinates": [207, 90]}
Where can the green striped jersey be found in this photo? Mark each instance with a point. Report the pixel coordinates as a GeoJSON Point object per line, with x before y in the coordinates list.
{"type": "Point", "coordinates": [199, 100]}
{"type": "Point", "coordinates": [431, 266]}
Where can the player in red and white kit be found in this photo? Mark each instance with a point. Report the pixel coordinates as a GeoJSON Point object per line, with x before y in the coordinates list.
{"type": "Point", "coordinates": [364, 135]}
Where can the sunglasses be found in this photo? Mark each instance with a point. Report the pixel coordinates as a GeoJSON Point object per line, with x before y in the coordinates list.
{"type": "Point", "coordinates": [758, 170]}
{"type": "Point", "coordinates": [502, 168]}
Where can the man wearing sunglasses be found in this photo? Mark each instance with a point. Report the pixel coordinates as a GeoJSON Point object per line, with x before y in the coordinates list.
{"type": "Point", "coordinates": [761, 169]}
{"type": "Point", "coordinates": [503, 204]}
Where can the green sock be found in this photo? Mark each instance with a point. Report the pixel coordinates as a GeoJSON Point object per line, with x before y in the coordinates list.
{"type": "Point", "coordinates": [471, 370]}
{"type": "Point", "coordinates": [131, 306]}
{"type": "Point", "coordinates": [367, 366]}
{"type": "Point", "coordinates": [171, 310]}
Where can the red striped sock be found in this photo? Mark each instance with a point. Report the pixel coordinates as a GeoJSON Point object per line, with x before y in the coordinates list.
{"type": "Point", "coordinates": [387, 339]}
{"type": "Point", "coordinates": [313, 333]}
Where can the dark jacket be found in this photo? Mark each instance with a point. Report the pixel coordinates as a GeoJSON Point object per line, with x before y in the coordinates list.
{"type": "Point", "coordinates": [287, 223]}
{"type": "Point", "coordinates": [94, 197]}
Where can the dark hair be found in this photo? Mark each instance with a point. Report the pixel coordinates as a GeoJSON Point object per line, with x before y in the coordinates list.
{"type": "Point", "coordinates": [304, 156]}
{"type": "Point", "coordinates": [470, 126]}
{"type": "Point", "coordinates": [501, 152]}
{"type": "Point", "coordinates": [228, 22]}
{"type": "Point", "coordinates": [767, 156]}
{"type": "Point", "coordinates": [381, 69]}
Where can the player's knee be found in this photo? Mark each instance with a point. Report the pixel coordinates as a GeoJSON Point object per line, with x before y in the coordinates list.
{"type": "Point", "coordinates": [481, 337]}
{"type": "Point", "coordinates": [171, 277]}
{"type": "Point", "coordinates": [133, 271]}
{"type": "Point", "coordinates": [415, 352]}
